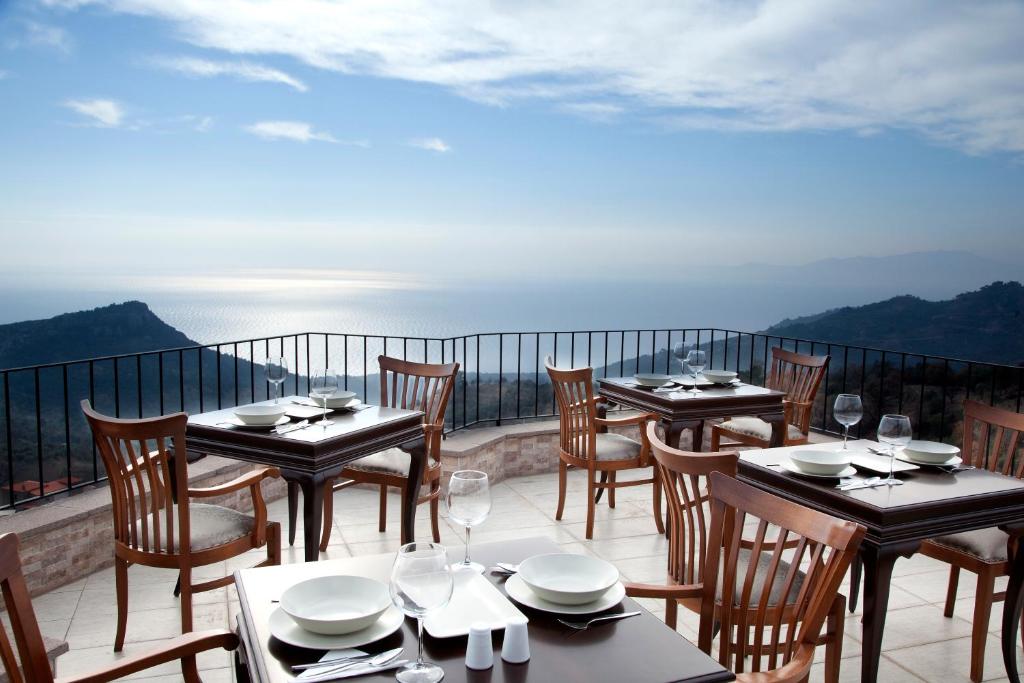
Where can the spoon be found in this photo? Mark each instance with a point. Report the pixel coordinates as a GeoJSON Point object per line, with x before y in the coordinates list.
{"type": "Point", "coordinates": [368, 660]}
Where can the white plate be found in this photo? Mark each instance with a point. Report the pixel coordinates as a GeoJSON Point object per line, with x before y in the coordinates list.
{"type": "Point", "coordinates": [517, 589]}
{"type": "Point", "coordinates": [790, 467]}
{"type": "Point", "coordinates": [474, 599]}
{"type": "Point", "coordinates": [880, 463]}
{"type": "Point", "coordinates": [286, 630]}
{"type": "Point", "coordinates": [952, 462]}
{"type": "Point", "coordinates": [568, 578]}
{"type": "Point", "coordinates": [238, 423]}
{"type": "Point", "coordinates": [651, 379]}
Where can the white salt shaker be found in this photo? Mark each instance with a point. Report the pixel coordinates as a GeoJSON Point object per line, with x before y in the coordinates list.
{"type": "Point", "coordinates": [516, 648]}
{"type": "Point", "coordinates": [479, 649]}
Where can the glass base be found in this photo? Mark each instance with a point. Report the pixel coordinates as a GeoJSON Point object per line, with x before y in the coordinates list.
{"type": "Point", "coordinates": [324, 422]}
{"type": "Point", "coordinates": [468, 567]}
{"type": "Point", "coordinates": [892, 482]}
{"type": "Point", "coordinates": [416, 672]}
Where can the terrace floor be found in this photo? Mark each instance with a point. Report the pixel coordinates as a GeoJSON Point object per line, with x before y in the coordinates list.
{"type": "Point", "coordinates": [920, 644]}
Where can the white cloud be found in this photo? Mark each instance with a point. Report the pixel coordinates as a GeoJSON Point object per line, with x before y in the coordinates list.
{"type": "Point", "coordinates": [36, 34]}
{"type": "Point", "coordinates": [431, 144]}
{"type": "Point", "coordinates": [3, 74]}
{"type": "Point", "coordinates": [298, 131]}
{"type": "Point", "coordinates": [952, 71]}
{"type": "Point", "coordinates": [596, 111]}
{"type": "Point", "coordinates": [101, 113]}
{"type": "Point", "coordinates": [246, 71]}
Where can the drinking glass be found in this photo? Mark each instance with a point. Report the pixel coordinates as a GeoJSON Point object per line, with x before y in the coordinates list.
{"type": "Point", "coordinates": [421, 581]}
{"type": "Point", "coordinates": [679, 351]}
{"type": "Point", "coordinates": [696, 360]}
{"type": "Point", "coordinates": [894, 431]}
{"type": "Point", "coordinates": [469, 503]}
{"type": "Point", "coordinates": [277, 373]}
{"type": "Point", "coordinates": [323, 385]}
{"type": "Point", "coordinates": [847, 411]}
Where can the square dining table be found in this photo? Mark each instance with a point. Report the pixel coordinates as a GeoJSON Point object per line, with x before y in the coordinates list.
{"type": "Point", "coordinates": [930, 503]}
{"type": "Point", "coordinates": [639, 649]}
{"type": "Point", "coordinates": [310, 457]}
{"type": "Point", "coordinates": [679, 409]}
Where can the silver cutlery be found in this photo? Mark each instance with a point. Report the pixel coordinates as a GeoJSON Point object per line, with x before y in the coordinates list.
{"type": "Point", "coordinates": [349, 672]}
{"type": "Point", "coordinates": [584, 625]}
{"type": "Point", "coordinates": [505, 568]}
{"type": "Point", "coordinates": [291, 428]}
{"type": "Point", "coordinates": [342, 663]}
{"type": "Point", "coordinates": [953, 469]}
{"type": "Point", "coordinates": [868, 483]}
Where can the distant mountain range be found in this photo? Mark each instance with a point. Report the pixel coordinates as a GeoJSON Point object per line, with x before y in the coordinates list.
{"type": "Point", "coordinates": [983, 325]}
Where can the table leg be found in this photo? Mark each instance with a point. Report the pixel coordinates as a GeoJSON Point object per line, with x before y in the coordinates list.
{"type": "Point", "coordinates": [778, 423]}
{"type": "Point", "coordinates": [1012, 611]}
{"type": "Point", "coordinates": [293, 510]}
{"type": "Point", "coordinates": [312, 487]}
{"type": "Point", "coordinates": [674, 430]}
{"type": "Point", "coordinates": [878, 563]}
{"type": "Point", "coordinates": [418, 462]}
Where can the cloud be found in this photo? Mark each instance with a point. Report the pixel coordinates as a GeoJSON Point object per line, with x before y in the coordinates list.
{"type": "Point", "coordinates": [431, 144]}
{"type": "Point", "coordinates": [101, 113]}
{"type": "Point", "coordinates": [43, 35]}
{"type": "Point", "coordinates": [246, 71]}
{"type": "Point", "coordinates": [596, 111]}
{"type": "Point", "coordinates": [3, 74]}
{"type": "Point", "coordinates": [953, 72]}
{"type": "Point", "coordinates": [298, 131]}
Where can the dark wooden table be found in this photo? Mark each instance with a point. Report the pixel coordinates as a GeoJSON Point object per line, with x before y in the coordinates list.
{"type": "Point", "coordinates": [640, 649]}
{"type": "Point", "coordinates": [680, 410]}
{"type": "Point", "coordinates": [928, 504]}
{"type": "Point", "coordinates": [309, 457]}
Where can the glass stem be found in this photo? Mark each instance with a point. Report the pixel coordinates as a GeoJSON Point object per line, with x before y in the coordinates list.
{"type": "Point", "coordinates": [419, 641]}
{"type": "Point", "coordinates": [466, 561]}
{"type": "Point", "coordinates": [323, 417]}
{"type": "Point", "coordinates": [892, 462]}
{"type": "Point", "coordinates": [846, 432]}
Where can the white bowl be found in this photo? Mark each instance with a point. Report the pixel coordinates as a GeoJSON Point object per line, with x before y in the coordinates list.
{"type": "Point", "coordinates": [336, 605]}
{"type": "Point", "coordinates": [568, 579]}
{"type": "Point", "coordinates": [650, 379]}
{"type": "Point", "coordinates": [260, 415]}
{"type": "Point", "coordinates": [719, 376]}
{"type": "Point", "coordinates": [339, 400]}
{"type": "Point", "coordinates": [820, 462]}
{"type": "Point", "coordinates": [930, 452]}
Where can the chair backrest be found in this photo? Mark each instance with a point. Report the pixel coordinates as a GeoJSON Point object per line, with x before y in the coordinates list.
{"type": "Point", "coordinates": [785, 614]}
{"type": "Point", "coordinates": [30, 654]}
{"type": "Point", "coordinates": [577, 410]}
{"type": "Point", "coordinates": [798, 376]}
{"type": "Point", "coordinates": [417, 386]}
{"type": "Point", "coordinates": [684, 477]}
{"type": "Point", "coordinates": [136, 455]}
{"type": "Point", "coordinates": [992, 439]}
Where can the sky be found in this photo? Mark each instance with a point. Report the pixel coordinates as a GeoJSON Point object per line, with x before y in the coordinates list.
{"type": "Point", "coordinates": [394, 141]}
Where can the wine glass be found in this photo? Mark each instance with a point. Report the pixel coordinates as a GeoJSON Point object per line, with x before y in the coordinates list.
{"type": "Point", "coordinates": [277, 373]}
{"type": "Point", "coordinates": [679, 351]}
{"type": "Point", "coordinates": [469, 503]}
{"type": "Point", "coordinates": [421, 581]}
{"type": "Point", "coordinates": [696, 359]}
{"type": "Point", "coordinates": [894, 431]}
{"type": "Point", "coordinates": [847, 411]}
{"type": "Point", "coordinates": [322, 385]}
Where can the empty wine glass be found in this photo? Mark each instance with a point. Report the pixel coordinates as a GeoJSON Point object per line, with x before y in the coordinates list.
{"type": "Point", "coordinates": [894, 431]}
{"type": "Point", "coordinates": [421, 581]}
{"type": "Point", "coordinates": [323, 385]}
{"type": "Point", "coordinates": [277, 373]}
{"type": "Point", "coordinates": [469, 503]}
{"type": "Point", "coordinates": [679, 351]}
{"type": "Point", "coordinates": [696, 359]}
{"type": "Point", "coordinates": [847, 411]}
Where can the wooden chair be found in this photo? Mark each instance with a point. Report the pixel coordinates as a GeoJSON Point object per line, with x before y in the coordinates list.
{"type": "Point", "coordinates": [414, 386]}
{"type": "Point", "coordinates": [584, 443]}
{"type": "Point", "coordinates": [30, 664]}
{"type": "Point", "coordinates": [695, 482]}
{"type": "Point", "coordinates": [992, 440]}
{"type": "Point", "coordinates": [797, 375]}
{"type": "Point", "coordinates": [151, 528]}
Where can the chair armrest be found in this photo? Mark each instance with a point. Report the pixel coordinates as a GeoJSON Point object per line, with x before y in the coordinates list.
{"type": "Point", "coordinates": [251, 480]}
{"type": "Point", "coordinates": [794, 671]}
{"type": "Point", "coordinates": [798, 413]}
{"type": "Point", "coordinates": [664, 591]}
{"type": "Point", "coordinates": [640, 419]}
{"type": "Point", "coordinates": [246, 480]}
{"type": "Point", "coordinates": [186, 645]}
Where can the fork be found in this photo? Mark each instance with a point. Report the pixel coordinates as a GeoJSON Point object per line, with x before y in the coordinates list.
{"type": "Point", "coordinates": [584, 625]}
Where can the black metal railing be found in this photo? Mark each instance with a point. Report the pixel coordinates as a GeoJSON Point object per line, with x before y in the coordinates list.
{"type": "Point", "coordinates": [49, 451]}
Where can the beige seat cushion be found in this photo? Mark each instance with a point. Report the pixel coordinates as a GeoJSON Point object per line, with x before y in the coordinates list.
{"type": "Point", "coordinates": [760, 573]}
{"type": "Point", "coordinates": [758, 428]}
{"type": "Point", "coordinates": [392, 461]}
{"type": "Point", "coordinates": [985, 544]}
{"type": "Point", "coordinates": [210, 526]}
{"type": "Point", "coordinates": [617, 447]}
